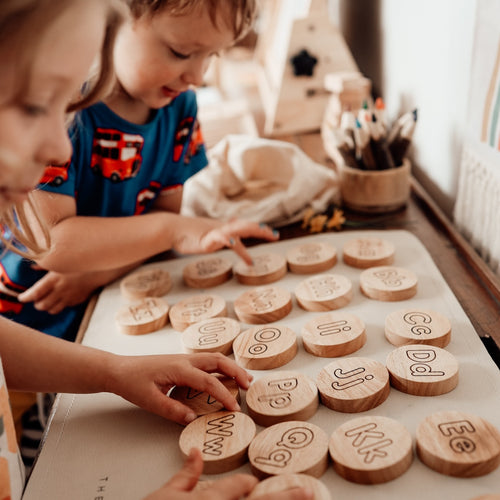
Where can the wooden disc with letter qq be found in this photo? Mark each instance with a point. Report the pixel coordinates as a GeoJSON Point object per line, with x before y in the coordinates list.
{"type": "Point", "coordinates": [207, 272]}
{"type": "Point", "coordinates": [196, 308]}
{"type": "Point", "coordinates": [388, 283]}
{"type": "Point", "coordinates": [311, 258]}
{"type": "Point", "coordinates": [284, 482]}
{"type": "Point", "coordinates": [263, 304]}
{"type": "Point", "coordinates": [146, 316]}
{"type": "Point", "coordinates": [324, 292]}
{"type": "Point", "coordinates": [152, 282]}
{"type": "Point", "coordinates": [211, 335]}
{"type": "Point", "coordinates": [266, 268]}
{"type": "Point", "coordinates": [368, 252]}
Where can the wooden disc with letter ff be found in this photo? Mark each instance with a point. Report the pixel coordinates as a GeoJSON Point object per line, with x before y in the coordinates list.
{"type": "Point", "coordinates": [284, 482]}
{"type": "Point", "coordinates": [281, 396]}
{"type": "Point", "coordinates": [211, 335]}
{"type": "Point", "coordinates": [371, 450]}
{"type": "Point", "coordinates": [266, 268]}
{"type": "Point", "coordinates": [388, 283]}
{"type": "Point", "coordinates": [324, 292]}
{"type": "Point", "coordinates": [353, 385]}
{"type": "Point", "coordinates": [458, 444]}
{"type": "Point", "coordinates": [368, 252]}
{"type": "Point", "coordinates": [263, 304]}
{"type": "Point", "coordinates": [196, 308]}
{"type": "Point", "coordinates": [207, 272]}
{"type": "Point", "coordinates": [146, 316]}
{"type": "Point", "coordinates": [152, 282]}
{"type": "Point", "coordinates": [311, 258]}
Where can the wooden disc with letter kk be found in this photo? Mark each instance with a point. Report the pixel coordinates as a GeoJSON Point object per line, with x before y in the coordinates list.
{"type": "Point", "coordinates": [196, 308]}
{"type": "Point", "coordinates": [266, 268]}
{"type": "Point", "coordinates": [284, 482]}
{"type": "Point", "coordinates": [263, 304]}
{"type": "Point", "coordinates": [152, 282]}
{"type": "Point", "coordinates": [324, 292]}
{"type": "Point", "coordinates": [211, 335]}
{"type": "Point", "coordinates": [388, 283]}
{"type": "Point", "coordinates": [207, 272]}
{"type": "Point", "coordinates": [146, 316]}
{"type": "Point", "coordinates": [368, 252]}
{"type": "Point", "coordinates": [311, 258]}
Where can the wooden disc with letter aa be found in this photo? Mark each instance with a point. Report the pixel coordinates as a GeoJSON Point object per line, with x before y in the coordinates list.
{"type": "Point", "coordinates": [266, 268]}
{"type": "Point", "coordinates": [207, 272]}
{"type": "Point", "coordinates": [289, 448]}
{"type": "Point", "coordinates": [282, 396]}
{"type": "Point", "coordinates": [222, 437]}
{"type": "Point", "coordinates": [333, 334]}
{"type": "Point", "coordinates": [265, 347]}
{"type": "Point", "coordinates": [146, 316]}
{"type": "Point", "coordinates": [353, 385]}
{"type": "Point", "coordinates": [417, 326]}
{"type": "Point", "coordinates": [371, 450]}
{"type": "Point", "coordinates": [263, 304]}
{"type": "Point", "coordinates": [458, 444]}
{"type": "Point", "coordinates": [422, 370]}
{"type": "Point", "coordinates": [324, 292]}
{"type": "Point", "coordinates": [285, 482]}
{"type": "Point", "coordinates": [211, 335]}
{"type": "Point", "coordinates": [196, 308]}
{"type": "Point", "coordinates": [311, 258]}
{"type": "Point", "coordinates": [388, 283]}
{"type": "Point", "coordinates": [153, 282]}
{"type": "Point", "coordinates": [368, 252]}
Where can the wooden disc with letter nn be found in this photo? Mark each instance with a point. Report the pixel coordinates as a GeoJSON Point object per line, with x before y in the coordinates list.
{"type": "Point", "coordinates": [324, 292]}
{"type": "Point", "coordinates": [266, 268]}
{"type": "Point", "coordinates": [289, 448]}
{"type": "Point", "coordinates": [222, 437]}
{"type": "Point", "coordinates": [152, 282]}
{"type": "Point", "coordinates": [388, 283]}
{"type": "Point", "coordinates": [281, 396]}
{"type": "Point", "coordinates": [353, 385]}
{"type": "Point", "coordinates": [417, 326]}
{"type": "Point", "coordinates": [458, 444]}
{"type": "Point", "coordinates": [368, 252]}
{"type": "Point", "coordinates": [196, 308]}
{"type": "Point", "coordinates": [311, 258]}
{"type": "Point", "coordinates": [333, 334]}
{"type": "Point", "coordinates": [263, 304]}
{"type": "Point", "coordinates": [371, 450]}
{"type": "Point", "coordinates": [146, 316]}
{"type": "Point", "coordinates": [207, 272]}
{"type": "Point", "coordinates": [422, 370]}
{"type": "Point", "coordinates": [284, 482]}
{"type": "Point", "coordinates": [211, 335]}
{"type": "Point", "coordinates": [265, 347]}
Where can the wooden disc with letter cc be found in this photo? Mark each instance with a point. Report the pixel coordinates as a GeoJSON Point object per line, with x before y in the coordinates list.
{"type": "Point", "coordinates": [324, 292]}
{"type": "Point", "coordinates": [152, 282]}
{"type": "Point", "coordinates": [284, 482]}
{"type": "Point", "coordinates": [146, 316]}
{"type": "Point", "coordinates": [311, 258]}
{"type": "Point", "coordinates": [211, 335]}
{"type": "Point", "coordinates": [207, 272]}
{"type": "Point", "coordinates": [263, 304]}
{"type": "Point", "coordinates": [266, 268]}
{"type": "Point", "coordinates": [196, 308]}
{"type": "Point", "coordinates": [388, 283]}
{"type": "Point", "coordinates": [368, 252]}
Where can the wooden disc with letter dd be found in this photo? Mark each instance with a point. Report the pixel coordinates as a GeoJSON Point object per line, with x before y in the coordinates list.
{"type": "Point", "coordinates": [211, 335]}
{"type": "Point", "coordinates": [266, 268]}
{"type": "Point", "coordinates": [311, 258]}
{"type": "Point", "coordinates": [324, 292]}
{"type": "Point", "coordinates": [146, 316]}
{"type": "Point", "coordinates": [152, 282]}
{"type": "Point", "coordinates": [263, 304]}
{"type": "Point", "coordinates": [284, 482]}
{"type": "Point", "coordinates": [196, 308]}
{"type": "Point", "coordinates": [388, 283]}
{"type": "Point", "coordinates": [207, 272]}
{"type": "Point", "coordinates": [368, 252]}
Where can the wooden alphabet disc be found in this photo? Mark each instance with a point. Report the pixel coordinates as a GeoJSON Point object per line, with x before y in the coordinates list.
{"type": "Point", "coordinates": [333, 334]}
{"type": "Point", "coordinates": [211, 335]}
{"type": "Point", "coordinates": [371, 450]}
{"type": "Point", "coordinates": [368, 252]}
{"type": "Point", "coordinates": [388, 283]}
{"type": "Point", "coordinates": [222, 437]}
{"type": "Point", "coordinates": [153, 282]}
{"type": "Point", "coordinates": [207, 272]}
{"type": "Point", "coordinates": [422, 370]}
{"type": "Point", "coordinates": [266, 268]}
{"type": "Point", "coordinates": [289, 448]}
{"type": "Point", "coordinates": [284, 482]}
{"type": "Point", "coordinates": [263, 304]}
{"type": "Point", "coordinates": [324, 292]}
{"type": "Point", "coordinates": [311, 258]}
{"type": "Point", "coordinates": [196, 308]}
{"type": "Point", "coordinates": [458, 444]}
{"type": "Point", "coordinates": [282, 396]}
{"type": "Point", "coordinates": [353, 385]}
{"type": "Point", "coordinates": [417, 326]}
{"type": "Point", "coordinates": [265, 347]}
{"type": "Point", "coordinates": [146, 316]}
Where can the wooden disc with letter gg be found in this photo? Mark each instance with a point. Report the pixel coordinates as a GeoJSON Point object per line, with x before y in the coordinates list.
{"type": "Point", "coordinates": [196, 308]}
{"type": "Point", "coordinates": [324, 292]}
{"type": "Point", "coordinates": [152, 282]}
{"type": "Point", "coordinates": [284, 482]}
{"type": "Point", "coordinates": [388, 283]}
{"type": "Point", "coordinates": [211, 335]}
{"type": "Point", "coordinates": [263, 304]}
{"type": "Point", "coordinates": [266, 268]}
{"type": "Point", "coordinates": [207, 272]}
{"type": "Point", "coordinates": [311, 258]}
{"type": "Point", "coordinates": [146, 316]}
{"type": "Point", "coordinates": [368, 252]}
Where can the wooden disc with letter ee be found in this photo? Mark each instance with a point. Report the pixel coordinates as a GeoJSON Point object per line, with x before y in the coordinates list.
{"type": "Point", "coordinates": [265, 347]}
{"type": "Point", "coordinates": [458, 444]}
{"type": "Point", "coordinates": [324, 292]}
{"type": "Point", "coordinates": [417, 326]}
{"type": "Point", "coordinates": [207, 272]}
{"type": "Point", "coordinates": [333, 334]}
{"type": "Point", "coordinates": [388, 283]}
{"type": "Point", "coordinates": [152, 282]}
{"type": "Point", "coordinates": [222, 437]}
{"type": "Point", "coordinates": [263, 304]}
{"type": "Point", "coordinates": [211, 335]}
{"type": "Point", "coordinates": [284, 482]}
{"type": "Point", "coordinates": [368, 252]}
{"type": "Point", "coordinates": [146, 316]}
{"type": "Point", "coordinates": [422, 370]}
{"type": "Point", "coordinates": [266, 268]}
{"type": "Point", "coordinates": [311, 258]}
{"type": "Point", "coordinates": [196, 308]}
{"type": "Point", "coordinates": [353, 385]}
{"type": "Point", "coordinates": [371, 450]}
{"type": "Point", "coordinates": [281, 396]}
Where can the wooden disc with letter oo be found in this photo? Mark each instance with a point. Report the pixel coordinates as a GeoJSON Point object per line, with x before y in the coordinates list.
{"type": "Point", "coordinates": [207, 272]}
{"type": "Point", "coordinates": [263, 304]}
{"type": "Point", "coordinates": [353, 385]}
{"type": "Point", "coordinates": [146, 316]}
{"type": "Point", "coordinates": [281, 396]}
{"type": "Point", "coordinates": [324, 292]}
{"type": "Point", "coordinates": [152, 282]}
{"type": "Point", "coordinates": [368, 252]}
{"type": "Point", "coordinates": [211, 335]}
{"type": "Point", "coordinates": [458, 444]}
{"type": "Point", "coordinates": [311, 258]}
{"type": "Point", "coordinates": [388, 283]}
{"type": "Point", "coordinates": [422, 370]}
{"type": "Point", "coordinates": [196, 308]}
{"type": "Point", "coordinates": [266, 268]}
{"type": "Point", "coordinates": [333, 334]}
{"type": "Point", "coordinates": [371, 450]}
{"type": "Point", "coordinates": [222, 437]}
{"type": "Point", "coordinates": [289, 448]}
{"type": "Point", "coordinates": [284, 482]}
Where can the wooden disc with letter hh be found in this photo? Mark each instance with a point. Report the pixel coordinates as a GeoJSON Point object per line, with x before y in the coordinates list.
{"type": "Point", "coordinates": [196, 308]}
{"type": "Point", "coordinates": [263, 304]}
{"type": "Point", "coordinates": [368, 252]}
{"type": "Point", "coordinates": [284, 482]}
{"type": "Point", "coordinates": [266, 268]}
{"type": "Point", "coordinates": [333, 334]}
{"type": "Point", "coordinates": [311, 258]}
{"type": "Point", "coordinates": [207, 272]}
{"type": "Point", "coordinates": [289, 448]}
{"type": "Point", "coordinates": [222, 437]}
{"type": "Point", "coordinates": [388, 283]}
{"type": "Point", "coordinates": [211, 335]}
{"type": "Point", "coordinates": [281, 396]}
{"type": "Point", "coordinates": [353, 385]}
{"type": "Point", "coordinates": [458, 444]}
{"type": "Point", "coordinates": [324, 292]}
{"type": "Point", "coordinates": [152, 282]}
{"type": "Point", "coordinates": [422, 370]}
{"type": "Point", "coordinates": [146, 316]}
{"type": "Point", "coordinates": [371, 450]}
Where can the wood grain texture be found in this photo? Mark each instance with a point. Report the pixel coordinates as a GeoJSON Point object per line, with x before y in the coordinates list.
{"type": "Point", "coordinates": [263, 304]}
{"type": "Point", "coordinates": [284, 482]}
{"type": "Point", "coordinates": [146, 316]}
{"type": "Point", "coordinates": [207, 272]}
{"type": "Point", "coordinates": [388, 283]}
{"type": "Point", "coordinates": [211, 335]}
{"type": "Point", "coordinates": [368, 252]}
{"type": "Point", "coordinates": [196, 308]}
{"type": "Point", "coordinates": [267, 268]}
{"type": "Point", "coordinates": [311, 258]}
{"type": "Point", "coordinates": [324, 292]}
{"type": "Point", "coordinates": [153, 282]}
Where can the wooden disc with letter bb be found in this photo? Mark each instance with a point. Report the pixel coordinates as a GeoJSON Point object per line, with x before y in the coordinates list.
{"type": "Point", "coordinates": [368, 252]}
{"type": "Point", "coordinates": [311, 258]}
{"type": "Point", "coordinates": [266, 268]}
{"type": "Point", "coordinates": [207, 272]}
{"type": "Point", "coordinates": [263, 304]}
{"type": "Point", "coordinates": [196, 308]}
{"type": "Point", "coordinates": [388, 283]}
{"type": "Point", "coordinates": [153, 282]}
{"type": "Point", "coordinates": [211, 335]}
{"type": "Point", "coordinates": [284, 482]}
{"type": "Point", "coordinates": [324, 292]}
{"type": "Point", "coordinates": [146, 316]}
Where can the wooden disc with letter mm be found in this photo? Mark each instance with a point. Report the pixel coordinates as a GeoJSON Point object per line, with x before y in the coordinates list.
{"type": "Point", "coordinates": [152, 282]}
{"type": "Point", "coordinates": [368, 252]}
{"type": "Point", "coordinates": [211, 335]}
{"type": "Point", "coordinates": [146, 316]}
{"type": "Point", "coordinates": [311, 258]}
{"type": "Point", "coordinates": [263, 304]}
{"type": "Point", "coordinates": [207, 272]}
{"type": "Point", "coordinates": [284, 482]}
{"type": "Point", "coordinates": [195, 308]}
{"type": "Point", "coordinates": [324, 292]}
{"type": "Point", "coordinates": [266, 268]}
{"type": "Point", "coordinates": [388, 283]}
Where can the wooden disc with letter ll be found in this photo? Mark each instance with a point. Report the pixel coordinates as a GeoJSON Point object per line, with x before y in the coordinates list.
{"type": "Point", "coordinates": [311, 258]}
{"type": "Point", "coordinates": [458, 444]}
{"type": "Point", "coordinates": [152, 282]}
{"type": "Point", "coordinates": [417, 326]}
{"type": "Point", "coordinates": [265, 347]}
{"type": "Point", "coordinates": [146, 316]}
{"type": "Point", "coordinates": [333, 334]}
{"type": "Point", "coordinates": [324, 292]}
{"type": "Point", "coordinates": [422, 370]}
{"type": "Point", "coordinates": [263, 304]}
{"type": "Point", "coordinates": [289, 448]}
{"type": "Point", "coordinates": [266, 268]}
{"type": "Point", "coordinates": [371, 450]}
{"type": "Point", "coordinates": [281, 396]}
{"type": "Point", "coordinates": [353, 385]}
{"type": "Point", "coordinates": [222, 437]}
{"type": "Point", "coordinates": [207, 272]}
{"type": "Point", "coordinates": [284, 482]}
{"type": "Point", "coordinates": [368, 252]}
{"type": "Point", "coordinates": [388, 283]}
{"type": "Point", "coordinates": [211, 335]}
{"type": "Point", "coordinates": [196, 308]}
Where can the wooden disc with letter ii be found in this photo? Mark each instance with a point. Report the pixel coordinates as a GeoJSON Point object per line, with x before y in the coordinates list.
{"type": "Point", "coordinates": [458, 444]}
{"type": "Point", "coordinates": [196, 308]}
{"type": "Point", "coordinates": [263, 304]}
{"type": "Point", "coordinates": [284, 482]}
{"type": "Point", "coordinates": [222, 437]}
{"type": "Point", "coordinates": [152, 282]}
{"type": "Point", "coordinates": [282, 396]}
{"type": "Point", "coordinates": [353, 385]}
{"type": "Point", "coordinates": [207, 272]}
{"type": "Point", "coordinates": [146, 316]}
{"type": "Point", "coordinates": [311, 258]}
{"type": "Point", "coordinates": [266, 268]}
{"type": "Point", "coordinates": [422, 370]}
{"type": "Point", "coordinates": [368, 252]}
{"type": "Point", "coordinates": [371, 450]}
{"type": "Point", "coordinates": [324, 292]}
{"type": "Point", "coordinates": [388, 283]}
{"type": "Point", "coordinates": [289, 448]}
{"type": "Point", "coordinates": [211, 335]}
{"type": "Point", "coordinates": [333, 334]}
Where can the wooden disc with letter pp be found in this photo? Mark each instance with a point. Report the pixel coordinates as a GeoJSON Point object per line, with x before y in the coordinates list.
{"type": "Point", "coordinates": [152, 282]}
{"type": "Point", "coordinates": [263, 304]}
{"type": "Point", "coordinates": [211, 335]}
{"type": "Point", "coordinates": [368, 252]}
{"type": "Point", "coordinates": [266, 268]}
{"type": "Point", "coordinates": [146, 316]}
{"type": "Point", "coordinates": [388, 283]}
{"type": "Point", "coordinates": [458, 444]}
{"type": "Point", "coordinates": [207, 272]}
{"type": "Point", "coordinates": [324, 292]}
{"type": "Point", "coordinates": [311, 258]}
{"type": "Point", "coordinates": [196, 308]}
{"type": "Point", "coordinates": [284, 482]}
